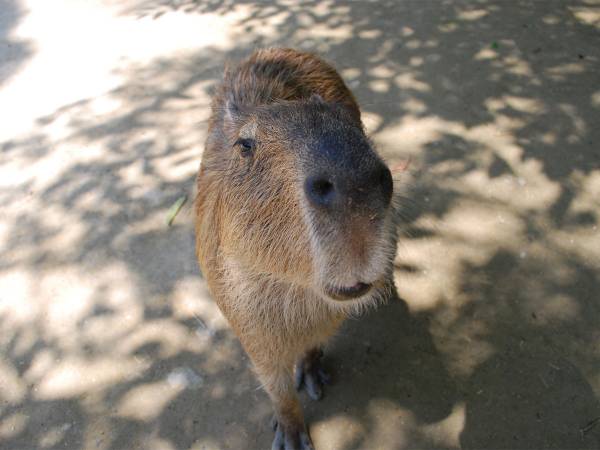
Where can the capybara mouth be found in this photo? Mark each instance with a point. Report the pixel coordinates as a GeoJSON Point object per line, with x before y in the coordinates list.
{"type": "Point", "coordinates": [350, 292]}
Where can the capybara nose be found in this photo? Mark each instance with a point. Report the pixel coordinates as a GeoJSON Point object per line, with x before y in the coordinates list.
{"type": "Point", "coordinates": [371, 189]}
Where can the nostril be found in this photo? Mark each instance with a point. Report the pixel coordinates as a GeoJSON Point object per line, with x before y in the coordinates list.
{"type": "Point", "coordinates": [322, 188]}
{"type": "Point", "coordinates": [320, 191]}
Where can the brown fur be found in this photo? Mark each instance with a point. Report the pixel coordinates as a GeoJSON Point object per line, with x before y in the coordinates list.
{"type": "Point", "coordinates": [253, 244]}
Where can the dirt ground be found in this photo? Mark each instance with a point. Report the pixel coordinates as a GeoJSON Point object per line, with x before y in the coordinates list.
{"type": "Point", "coordinates": [109, 338]}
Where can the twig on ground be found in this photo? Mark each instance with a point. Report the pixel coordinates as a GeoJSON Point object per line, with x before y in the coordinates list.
{"type": "Point", "coordinates": [175, 209]}
{"type": "Point", "coordinates": [591, 424]}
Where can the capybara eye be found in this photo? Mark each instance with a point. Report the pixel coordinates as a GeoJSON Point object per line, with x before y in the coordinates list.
{"type": "Point", "coordinates": [246, 146]}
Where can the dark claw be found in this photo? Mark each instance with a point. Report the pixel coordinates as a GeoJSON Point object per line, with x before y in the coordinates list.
{"type": "Point", "coordinates": [311, 376]}
{"type": "Point", "coordinates": [291, 440]}
{"type": "Point", "coordinates": [277, 440]}
{"type": "Point", "coordinates": [324, 377]}
{"type": "Point", "coordinates": [273, 423]}
{"type": "Point", "coordinates": [312, 384]}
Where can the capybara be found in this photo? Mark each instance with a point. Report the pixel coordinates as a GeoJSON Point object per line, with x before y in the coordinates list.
{"type": "Point", "coordinates": [294, 220]}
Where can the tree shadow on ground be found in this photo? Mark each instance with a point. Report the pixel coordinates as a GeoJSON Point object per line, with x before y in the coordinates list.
{"type": "Point", "coordinates": [14, 51]}
{"type": "Point", "coordinates": [493, 348]}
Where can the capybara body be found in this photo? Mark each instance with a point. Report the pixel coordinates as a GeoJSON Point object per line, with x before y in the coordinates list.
{"type": "Point", "coordinates": [294, 223]}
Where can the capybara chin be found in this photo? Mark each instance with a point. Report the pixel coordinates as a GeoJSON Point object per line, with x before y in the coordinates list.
{"type": "Point", "coordinates": [294, 222]}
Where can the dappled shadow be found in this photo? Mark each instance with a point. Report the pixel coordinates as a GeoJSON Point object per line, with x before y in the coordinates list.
{"type": "Point", "coordinates": [537, 315]}
{"type": "Point", "coordinates": [532, 391]}
{"type": "Point", "coordinates": [384, 365]}
{"type": "Point", "coordinates": [110, 339]}
{"type": "Point", "coordinates": [13, 51]}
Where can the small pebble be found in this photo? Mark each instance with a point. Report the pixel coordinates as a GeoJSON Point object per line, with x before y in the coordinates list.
{"type": "Point", "coordinates": [204, 332]}
{"type": "Point", "coordinates": [185, 377]}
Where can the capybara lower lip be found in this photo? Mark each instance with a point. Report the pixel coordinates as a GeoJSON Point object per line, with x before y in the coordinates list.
{"type": "Point", "coordinates": [350, 292]}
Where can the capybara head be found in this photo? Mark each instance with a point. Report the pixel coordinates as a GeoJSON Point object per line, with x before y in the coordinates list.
{"type": "Point", "coordinates": [304, 197]}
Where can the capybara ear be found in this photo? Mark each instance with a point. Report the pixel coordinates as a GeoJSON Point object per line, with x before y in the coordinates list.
{"type": "Point", "coordinates": [316, 98]}
{"type": "Point", "coordinates": [238, 122]}
{"type": "Point", "coordinates": [232, 112]}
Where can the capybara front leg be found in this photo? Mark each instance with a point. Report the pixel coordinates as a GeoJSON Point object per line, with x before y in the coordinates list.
{"type": "Point", "coordinates": [290, 430]}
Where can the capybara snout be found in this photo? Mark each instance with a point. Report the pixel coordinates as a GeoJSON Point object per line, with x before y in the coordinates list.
{"type": "Point", "coordinates": [341, 181]}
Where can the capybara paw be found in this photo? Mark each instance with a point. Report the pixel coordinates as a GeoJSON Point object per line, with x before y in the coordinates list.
{"type": "Point", "coordinates": [311, 376]}
{"type": "Point", "coordinates": [291, 438]}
